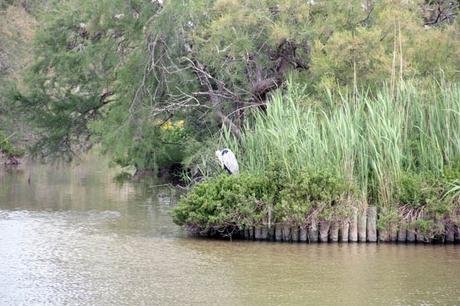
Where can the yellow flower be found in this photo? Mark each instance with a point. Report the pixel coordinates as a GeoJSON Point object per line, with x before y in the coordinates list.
{"type": "Point", "coordinates": [167, 126]}
{"type": "Point", "coordinates": [180, 123]}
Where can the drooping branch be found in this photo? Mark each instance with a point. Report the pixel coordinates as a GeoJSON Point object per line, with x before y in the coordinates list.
{"type": "Point", "coordinates": [215, 95]}
{"type": "Point", "coordinates": [438, 12]}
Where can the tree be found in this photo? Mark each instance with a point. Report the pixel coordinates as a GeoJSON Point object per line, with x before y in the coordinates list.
{"type": "Point", "coordinates": [152, 80]}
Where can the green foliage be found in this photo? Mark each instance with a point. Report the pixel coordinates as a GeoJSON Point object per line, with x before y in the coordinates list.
{"type": "Point", "coordinates": [110, 72]}
{"type": "Point", "coordinates": [86, 58]}
{"type": "Point", "coordinates": [320, 193]}
{"type": "Point", "coordinates": [226, 203]}
{"type": "Point", "coordinates": [388, 149]}
{"type": "Point", "coordinates": [419, 190]}
{"type": "Point", "coordinates": [425, 227]}
{"type": "Point", "coordinates": [366, 43]}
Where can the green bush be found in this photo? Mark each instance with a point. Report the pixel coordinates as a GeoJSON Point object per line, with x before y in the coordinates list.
{"type": "Point", "coordinates": [318, 193]}
{"type": "Point", "coordinates": [226, 203]}
{"type": "Point", "coordinates": [426, 197]}
{"type": "Point", "coordinates": [419, 190]}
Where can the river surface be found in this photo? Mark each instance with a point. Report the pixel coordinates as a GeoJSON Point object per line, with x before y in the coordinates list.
{"type": "Point", "coordinates": [73, 236]}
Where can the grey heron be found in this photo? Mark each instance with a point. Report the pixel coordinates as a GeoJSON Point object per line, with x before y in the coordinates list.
{"type": "Point", "coordinates": [227, 161]}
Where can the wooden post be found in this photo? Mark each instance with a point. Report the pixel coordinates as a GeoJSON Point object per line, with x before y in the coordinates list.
{"type": "Point", "coordinates": [402, 234]}
{"type": "Point", "coordinates": [450, 233]}
{"type": "Point", "coordinates": [362, 226]}
{"type": "Point", "coordinates": [393, 233]}
{"type": "Point", "coordinates": [279, 232]}
{"type": "Point", "coordinates": [241, 233]}
{"type": "Point", "coordinates": [410, 235]}
{"type": "Point", "coordinates": [257, 232]}
{"type": "Point", "coordinates": [457, 234]}
{"type": "Point", "coordinates": [287, 233]}
{"type": "Point", "coordinates": [271, 233]}
{"type": "Point", "coordinates": [344, 231]}
{"type": "Point", "coordinates": [324, 230]}
{"type": "Point", "coordinates": [353, 235]}
{"type": "Point", "coordinates": [295, 234]}
{"type": "Point", "coordinates": [334, 232]}
{"type": "Point", "coordinates": [313, 232]}
{"type": "Point", "coordinates": [264, 233]}
{"type": "Point", "coordinates": [372, 224]}
{"type": "Point", "coordinates": [303, 234]}
{"type": "Point", "coordinates": [251, 233]}
{"type": "Point", "coordinates": [420, 237]}
{"type": "Point", "coordinates": [383, 235]}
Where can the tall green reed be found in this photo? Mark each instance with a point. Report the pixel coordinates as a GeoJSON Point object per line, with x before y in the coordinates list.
{"type": "Point", "coordinates": [366, 138]}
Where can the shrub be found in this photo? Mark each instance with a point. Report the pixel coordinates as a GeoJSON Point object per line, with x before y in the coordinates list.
{"type": "Point", "coordinates": [312, 194]}
{"type": "Point", "coordinates": [225, 203]}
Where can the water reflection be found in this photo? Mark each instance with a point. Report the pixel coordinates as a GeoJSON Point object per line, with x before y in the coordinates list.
{"type": "Point", "coordinates": [73, 236]}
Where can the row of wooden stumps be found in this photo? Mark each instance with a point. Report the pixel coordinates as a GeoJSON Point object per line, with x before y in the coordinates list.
{"type": "Point", "coordinates": [362, 227]}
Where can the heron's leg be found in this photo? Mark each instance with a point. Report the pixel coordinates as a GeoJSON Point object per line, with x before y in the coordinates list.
{"type": "Point", "coordinates": [225, 168]}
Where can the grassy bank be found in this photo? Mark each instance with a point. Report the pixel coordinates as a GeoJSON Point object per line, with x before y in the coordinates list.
{"type": "Point", "coordinates": [305, 159]}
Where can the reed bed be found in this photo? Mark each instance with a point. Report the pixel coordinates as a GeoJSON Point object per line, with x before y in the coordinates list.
{"type": "Point", "coordinates": [369, 139]}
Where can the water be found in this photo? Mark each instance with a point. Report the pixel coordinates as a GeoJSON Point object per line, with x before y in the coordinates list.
{"type": "Point", "coordinates": [74, 237]}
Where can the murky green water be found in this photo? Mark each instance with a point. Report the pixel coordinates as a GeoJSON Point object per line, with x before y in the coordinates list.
{"type": "Point", "coordinates": [73, 237]}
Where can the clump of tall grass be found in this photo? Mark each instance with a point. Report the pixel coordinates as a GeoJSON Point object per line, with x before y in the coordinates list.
{"type": "Point", "coordinates": [369, 139]}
